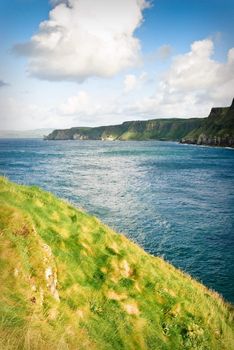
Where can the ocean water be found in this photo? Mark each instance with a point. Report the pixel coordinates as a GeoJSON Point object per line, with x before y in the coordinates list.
{"type": "Point", "coordinates": [176, 201]}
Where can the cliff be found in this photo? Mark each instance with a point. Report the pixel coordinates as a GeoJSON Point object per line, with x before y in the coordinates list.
{"type": "Point", "coordinates": [215, 130]}
{"type": "Point", "coordinates": [70, 282]}
{"type": "Point", "coordinates": [156, 129]}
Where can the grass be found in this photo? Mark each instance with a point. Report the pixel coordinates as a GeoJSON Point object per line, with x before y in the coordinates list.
{"type": "Point", "coordinates": [70, 282]}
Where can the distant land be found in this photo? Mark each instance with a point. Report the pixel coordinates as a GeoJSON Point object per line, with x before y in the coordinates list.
{"type": "Point", "coordinates": [21, 134]}
{"type": "Point", "coordinates": [215, 130]}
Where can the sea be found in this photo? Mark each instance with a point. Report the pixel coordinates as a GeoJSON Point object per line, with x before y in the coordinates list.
{"type": "Point", "coordinates": [176, 201]}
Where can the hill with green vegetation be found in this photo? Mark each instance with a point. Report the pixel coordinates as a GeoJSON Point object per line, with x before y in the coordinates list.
{"type": "Point", "coordinates": [70, 282]}
{"type": "Point", "coordinates": [215, 130]}
{"type": "Point", "coordinates": [156, 129]}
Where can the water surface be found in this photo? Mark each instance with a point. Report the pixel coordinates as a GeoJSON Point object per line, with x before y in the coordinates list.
{"type": "Point", "coordinates": [176, 201]}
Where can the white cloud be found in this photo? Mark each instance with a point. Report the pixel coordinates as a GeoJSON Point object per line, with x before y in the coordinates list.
{"type": "Point", "coordinates": [130, 82]}
{"type": "Point", "coordinates": [84, 38]}
{"type": "Point", "coordinates": [193, 70]}
{"type": "Point", "coordinates": [133, 82]}
{"type": "Point", "coordinates": [18, 115]}
{"type": "Point", "coordinates": [82, 106]}
{"type": "Point", "coordinates": [79, 103]}
{"type": "Point", "coordinates": [193, 84]}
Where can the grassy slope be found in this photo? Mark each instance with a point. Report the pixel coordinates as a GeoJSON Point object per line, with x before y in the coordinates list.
{"type": "Point", "coordinates": [219, 123]}
{"type": "Point", "coordinates": [70, 282]}
{"type": "Point", "coordinates": [159, 129]}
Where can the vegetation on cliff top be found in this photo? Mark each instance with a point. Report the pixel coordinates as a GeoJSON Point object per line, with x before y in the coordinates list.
{"type": "Point", "coordinates": [70, 282]}
{"type": "Point", "coordinates": [217, 129]}
{"type": "Point", "coordinates": [155, 129]}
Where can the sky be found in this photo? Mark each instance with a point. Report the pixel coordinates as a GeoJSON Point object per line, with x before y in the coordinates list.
{"type": "Point", "coordinates": [67, 63]}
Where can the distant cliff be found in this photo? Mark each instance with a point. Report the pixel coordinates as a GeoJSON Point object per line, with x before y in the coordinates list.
{"type": "Point", "coordinates": [217, 129]}
{"type": "Point", "coordinates": [156, 129]}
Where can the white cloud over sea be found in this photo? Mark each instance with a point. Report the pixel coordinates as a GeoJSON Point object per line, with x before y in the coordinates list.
{"type": "Point", "coordinates": [97, 62]}
{"type": "Point", "coordinates": [193, 83]}
{"type": "Point", "coordinates": [85, 38]}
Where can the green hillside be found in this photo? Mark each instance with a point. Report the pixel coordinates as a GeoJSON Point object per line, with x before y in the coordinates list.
{"type": "Point", "coordinates": [215, 130]}
{"type": "Point", "coordinates": [155, 129]}
{"type": "Point", "coordinates": [159, 129]}
{"type": "Point", "coordinates": [70, 282]}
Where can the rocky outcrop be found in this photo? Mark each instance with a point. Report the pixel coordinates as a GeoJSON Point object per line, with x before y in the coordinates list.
{"type": "Point", "coordinates": [205, 140]}
{"type": "Point", "coordinates": [216, 130]}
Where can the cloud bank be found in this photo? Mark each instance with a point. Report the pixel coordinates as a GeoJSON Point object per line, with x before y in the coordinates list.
{"type": "Point", "coordinates": [85, 38]}
{"type": "Point", "coordinates": [193, 84]}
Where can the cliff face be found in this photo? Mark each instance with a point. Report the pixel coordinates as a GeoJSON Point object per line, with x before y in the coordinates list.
{"type": "Point", "coordinates": [215, 130]}
{"type": "Point", "coordinates": [156, 129]}
{"type": "Point", "coordinates": [70, 282]}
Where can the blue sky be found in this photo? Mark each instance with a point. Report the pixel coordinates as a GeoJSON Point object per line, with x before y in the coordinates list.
{"type": "Point", "coordinates": [99, 62]}
{"type": "Point", "coordinates": [180, 22]}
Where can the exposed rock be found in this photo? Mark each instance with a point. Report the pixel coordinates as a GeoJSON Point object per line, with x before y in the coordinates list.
{"type": "Point", "coordinates": [51, 279]}
{"type": "Point", "coordinates": [125, 269]}
{"type": "Point", "coordinates": [216, 130]}
{"type": "Point", "coordinates": [80, 137]}
{"type": "Point", "coordinates": [131, 308]}
{"type": "Point", "coordinates": [16, 272]}
{"type": "Point", "coordinates": [115, 296]}
{"type": "Point", "coordinates": [50, 273]}
{"type": "Point", "coordinates": [80, 313]}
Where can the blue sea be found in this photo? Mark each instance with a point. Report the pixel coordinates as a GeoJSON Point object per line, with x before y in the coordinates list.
{"type": "Point", "coordinates": [176, 201]}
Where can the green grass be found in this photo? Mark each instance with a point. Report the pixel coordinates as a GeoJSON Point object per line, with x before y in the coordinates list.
{"type": "Point", "coordinates": [70, 282]}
